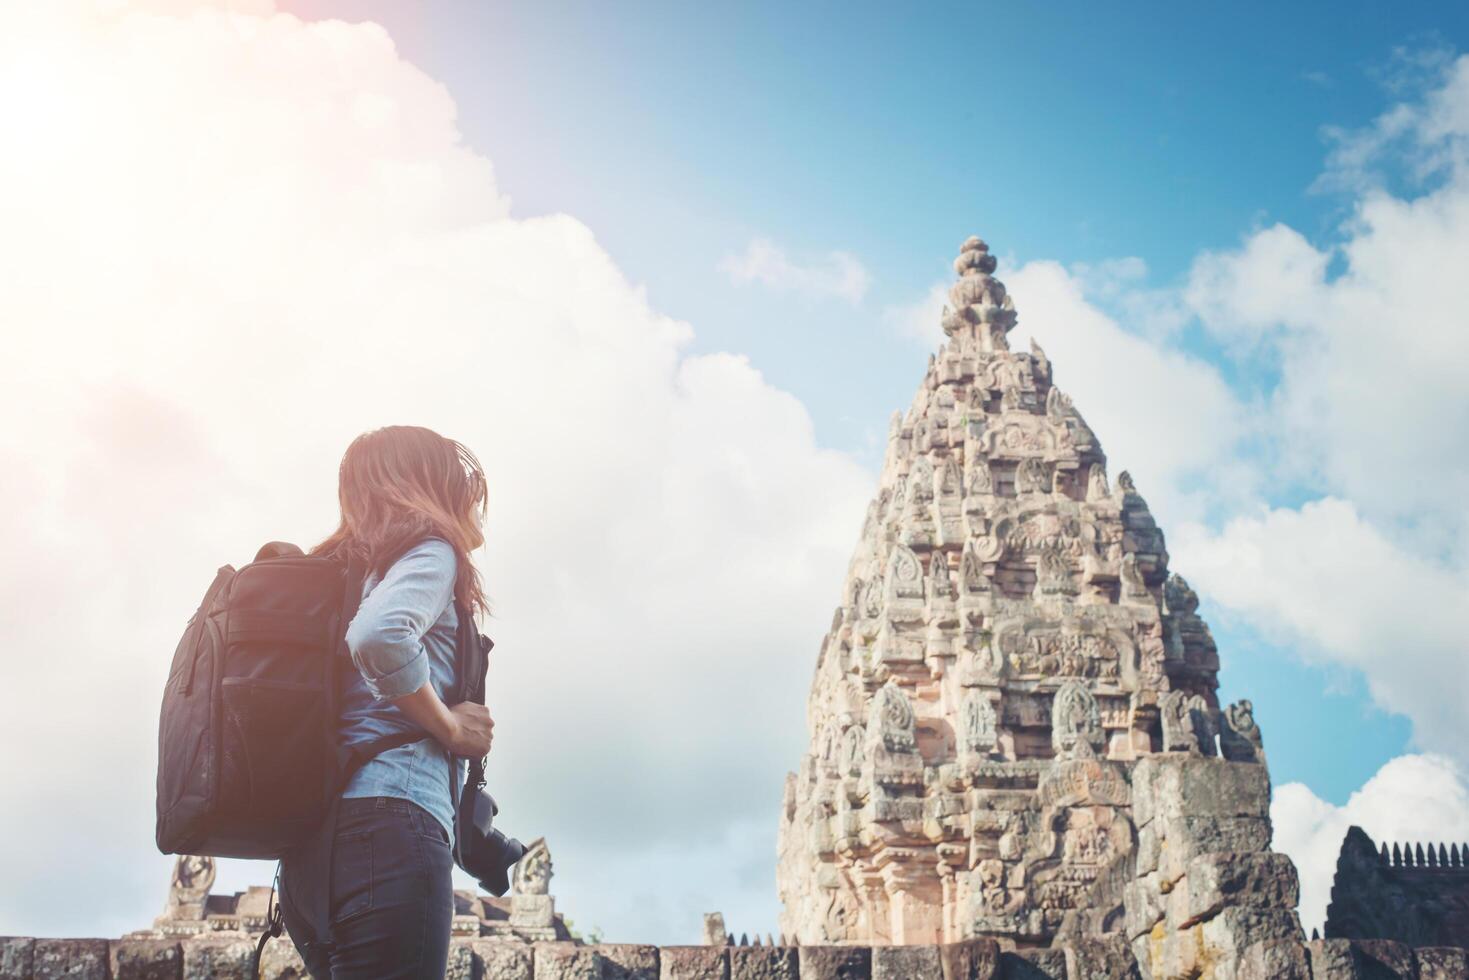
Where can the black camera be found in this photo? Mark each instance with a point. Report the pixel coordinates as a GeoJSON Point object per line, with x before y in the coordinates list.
{"type": "Point", "coordinates": [479, 848]}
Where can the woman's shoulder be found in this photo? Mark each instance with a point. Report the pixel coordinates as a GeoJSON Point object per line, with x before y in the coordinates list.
{"type": "Point", "coordinates": [432, 547]}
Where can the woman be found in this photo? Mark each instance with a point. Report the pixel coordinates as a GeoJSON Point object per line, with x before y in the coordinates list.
{"type": "Point", "coordinates": [412, 510]}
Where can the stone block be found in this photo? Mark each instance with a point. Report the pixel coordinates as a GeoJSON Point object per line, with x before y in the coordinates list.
{"type": "Point", "coordinates": [1331, 959]}
{"type": "Point", "coordinates": [1102, 958]}
{"type": "Point", "coordinates": [565, 961]}
{"type": "Point", "coordinates": [218, 958]}
{"type": "Point", "coordinates": [906, 963]}
{"type": "Point", "coordinates": [691, 963]}
{"type": "Point", "coordinates": [1213, 882]}
{"type": "Point", "coordinates": [461, 960]}
{"type": "Point", "coordinates": [1172, 784]}
{"type": "Point", "coordinates": [1441, 962]}
{"type": "Point", "coordinates": [75, 959]}
{"type": "Point", "coordinates": [280, 961]}
{"type": "Point", "coordinates": [1142, 904]}
{"type": "Point", "coordinates": [146, 959]}
{"type": "Point", "coordinates": [763, 963]}
{"type": "Point", "coordinates": [1230, 932]}
{"type": "Point", "coordinates": [15, 957]}
{"type": "Point", "coordinates": [1033, 964]}
{"type": "Point", "coordinates": [628, 961]}
{"type": "Point", "coordinates": [1183, 838]}
{"type": "Point", "coordinates": [1149, 841]}
{"type": "Point", "coordinates": [835, 962]}
{"type": "Point", "coordinates": [1374, 956]}
{"type": "Point", "coordinates": [971, 959]}
{"type": "Point", "coordinates": [1276, 960]}
{"type": "Point", "coordinates": [500, 960]}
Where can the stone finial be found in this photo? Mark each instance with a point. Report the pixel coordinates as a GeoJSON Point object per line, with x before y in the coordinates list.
{"type": "Point", "coordinates": [978, 299]}
{"type": "Point", "coordinates": [974, 258]}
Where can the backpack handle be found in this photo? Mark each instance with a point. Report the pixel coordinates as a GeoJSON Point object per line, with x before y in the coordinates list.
{"type": "Point", "coordinates": [278, 549]}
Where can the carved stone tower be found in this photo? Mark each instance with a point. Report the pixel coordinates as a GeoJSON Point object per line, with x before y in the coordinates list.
{"type": "Point", "coordinates": [1009, 643]}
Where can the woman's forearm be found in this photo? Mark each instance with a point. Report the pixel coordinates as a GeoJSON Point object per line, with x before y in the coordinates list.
{"type": "Point", "coordinates": [425, 709]}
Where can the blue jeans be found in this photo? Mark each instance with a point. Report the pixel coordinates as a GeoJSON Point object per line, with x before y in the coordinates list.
{"type": "Point", "coordinates": [392, 897]}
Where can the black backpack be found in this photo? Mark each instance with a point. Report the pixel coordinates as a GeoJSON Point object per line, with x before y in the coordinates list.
{"type": "Point", "coordinates": [249, 762]}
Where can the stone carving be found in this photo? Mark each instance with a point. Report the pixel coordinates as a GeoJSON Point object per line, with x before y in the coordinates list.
{"type": "Point", "coordinates": [188, 889]}
{"type": "Point", "coordinates": [1030, 476]}
{"type": "Point", "coordinates": [892, 719]}
{"type": "Point", "coordinates": [853, 754]}
{"type": "Point", "coordinates": [1239, 736]}
{"type": "Point", "coordinates": [1205, 726]}
{"type": "Point", "coordinates": [533, 872]}
{"type": "Point", "coordinates": [1076, 723]}
{"type": "Point", "coordinates": [1005, 661]}
{"type": "Point", "coordinates": [977, 723]}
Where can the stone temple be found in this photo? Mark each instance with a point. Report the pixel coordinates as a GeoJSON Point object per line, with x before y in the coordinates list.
{"type": "Point", "coordinates": [1009, 646]}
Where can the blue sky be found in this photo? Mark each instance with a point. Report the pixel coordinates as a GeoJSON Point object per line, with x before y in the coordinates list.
{"type": "Point", "coordinates": [1067, 132]}
{"type": "Point", "coordinates": [1238, 231]}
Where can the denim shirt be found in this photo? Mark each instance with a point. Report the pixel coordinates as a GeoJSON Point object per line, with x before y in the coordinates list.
{"type": "Point", "coordinates": [403, 636]}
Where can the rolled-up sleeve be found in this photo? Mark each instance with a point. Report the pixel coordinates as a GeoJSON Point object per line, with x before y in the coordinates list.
{"type": "Point", "coordinates": [386, 635]}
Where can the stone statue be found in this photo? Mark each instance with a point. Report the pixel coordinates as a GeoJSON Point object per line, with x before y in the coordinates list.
{"type": "Point", "coordinates": [533, 871]}
{"type": "Point", "coordinates": [188, 889]}
{"type": "Point", "coordinates": [1076, 722]}
{"type": "Point", "coordinates": [1239, 736]}
{"type": "Point", "coordinates": [977, 728]}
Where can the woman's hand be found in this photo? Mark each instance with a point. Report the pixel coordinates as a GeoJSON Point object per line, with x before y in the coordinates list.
{"type": "Point", "coordinates": [466, 730]}
{"type": "Point", "coordinates": [473, 730]}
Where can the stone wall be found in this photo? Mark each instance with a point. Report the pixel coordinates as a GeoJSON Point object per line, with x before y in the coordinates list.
{"type": "Point", "coordinates": [228, 958]}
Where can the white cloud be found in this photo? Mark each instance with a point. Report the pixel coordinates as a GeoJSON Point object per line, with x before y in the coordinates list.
{"type": "Point", "coordinates": [837, 274]}
{"type": "Point", "coordinates": [919, 321]}
{"type": "Point", "coordinates": [234, 241]}
{"type": "Point", "coordinates": [1413, 798]}
{"type": "Point", "coordinates": [1163, 415]}
{"type": "Point", "coordinates": [1327, 583]}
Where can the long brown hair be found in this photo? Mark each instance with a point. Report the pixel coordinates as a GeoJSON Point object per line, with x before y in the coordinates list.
{"type": "Point", "coordinates": [400, 484]}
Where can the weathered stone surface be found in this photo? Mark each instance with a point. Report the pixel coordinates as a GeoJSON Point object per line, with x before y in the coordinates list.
{"type": "Point", "coordinates": [763, 963]}
{"type": "Point", "coordinates": [566, 961]}
{"type": "Point", "coordinates": [628, 961]}
{"type": "Point", "coordinates": [1179, 785]}
{"type": "Point", "coordinates": [222, 957]}
{"type": "Point", "coordinates": [1033, 964]}
{"type": "Point", "coordinates": [692, 963]}
{"type": "Point", "coordinates": [280, 961]}
{"type": "Point", "coordinates": [16, 957]}
{"type": "Point", "coordinates": [1235, 929]}
{"type": "Point", "coordinates": [146, 959]}
{"type": "Point", "coordinates": [75, 959]}
{"type": "Point", "coordinates": [906, 963]}
{"type": "Point", "coordinates": [502, 961]}
{"type": "Point", "coordinates": [1384, 954]}
{"type": "Point", "coordinates": [1103, 958]}
{"type": "Point", "coordinates": [1143, 901]}
{"type": "Point", "coordinates": [461, 961]}
{"type": "Point", "coordinates": [971, 959]}
{"type": "Point", "coordinates": [1214, 881]}
{"type": "Point", "coordinates": [1283, 959]}
{"type": "Point", "coordinates": [1441, 962]}
{"type": "Point", "coordinates": [835, 962]}
{"type": "Point", "coordinates": [1331, 959]}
